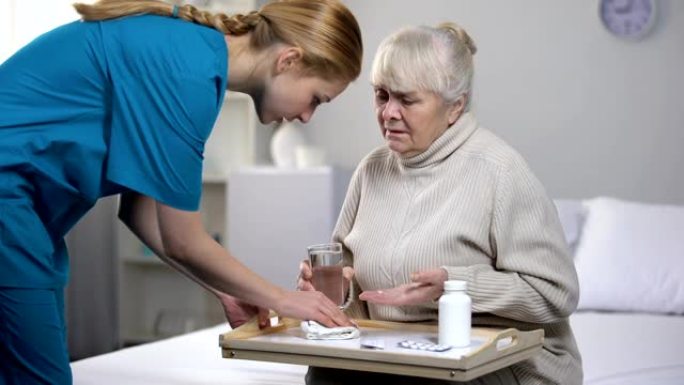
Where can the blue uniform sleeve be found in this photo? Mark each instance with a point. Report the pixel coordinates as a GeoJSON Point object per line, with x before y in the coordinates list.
{"type": "Point", "coordinates": [158, 129]}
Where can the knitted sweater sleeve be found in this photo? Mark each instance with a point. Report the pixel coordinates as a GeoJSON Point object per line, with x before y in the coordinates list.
{"type": "Point", "coordinates": [344, 225]}
{"type": "Point", "coordinates": [532, 277]}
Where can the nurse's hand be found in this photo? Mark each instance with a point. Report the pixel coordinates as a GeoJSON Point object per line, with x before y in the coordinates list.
{"type": "Point", "coordinates": [304, 279]}
{"type": "Point", "coordinates": [238, 312]}
{"type": "Point", "coordinates": [425, 286]}
{"type": "Point", "coordinates": [311, 305]}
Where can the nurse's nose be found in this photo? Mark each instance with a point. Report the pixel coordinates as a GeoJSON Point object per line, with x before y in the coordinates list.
{"type": "Point", "coordinates": [305, 116]}
{"type": "Point", "coordinates": [391, 110]}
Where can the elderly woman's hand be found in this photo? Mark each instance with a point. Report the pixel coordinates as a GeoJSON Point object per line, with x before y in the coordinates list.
{"type": "Point", "coordinates": [426, 286]}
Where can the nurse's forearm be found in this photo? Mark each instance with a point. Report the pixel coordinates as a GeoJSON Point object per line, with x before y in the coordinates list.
{"type": "Point", "coordinates": [193, 252]}
{"type": "Point", "coordinates": [171, 262]}
{"type": "Point", "coordinates": [186, 242]}
{"type": "Point", "coordinates": [216, 267]}
{"type": "Point", "coordinates": [139, 214]}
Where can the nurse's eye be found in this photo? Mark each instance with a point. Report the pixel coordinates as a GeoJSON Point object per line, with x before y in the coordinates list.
{"type": "Point", "coordinates": [316, 101]}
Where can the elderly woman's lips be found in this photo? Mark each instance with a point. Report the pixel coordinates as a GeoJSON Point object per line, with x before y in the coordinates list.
{"type": "Point", "coordinates": [395, 134]}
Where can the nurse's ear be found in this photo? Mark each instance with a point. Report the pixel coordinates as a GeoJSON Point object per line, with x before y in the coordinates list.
{"type": "Point", "coordinates": [288, 58]}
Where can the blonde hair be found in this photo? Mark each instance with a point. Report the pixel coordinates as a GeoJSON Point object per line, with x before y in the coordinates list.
{"type": "Point", "coordinates": [437, 59]}
{"type": "Point", "coordinates": [325, 30]}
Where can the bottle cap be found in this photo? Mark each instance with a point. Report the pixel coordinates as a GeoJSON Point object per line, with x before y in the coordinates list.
{"type": "Point", "coordinates": [455, 285]}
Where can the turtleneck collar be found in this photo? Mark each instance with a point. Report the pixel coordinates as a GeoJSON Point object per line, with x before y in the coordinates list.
{"type": "Point", "coordinates": [443, 146]}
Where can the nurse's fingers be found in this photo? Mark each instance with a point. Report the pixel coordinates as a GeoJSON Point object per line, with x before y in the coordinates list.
{"type": "Point", "coordinates": [332, 315]}
{"type": "Point", "coordinates": [312, 305]}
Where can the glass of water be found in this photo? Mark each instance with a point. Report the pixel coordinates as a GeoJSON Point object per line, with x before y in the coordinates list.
{"type": "Point", "coordinates": [326, 267]}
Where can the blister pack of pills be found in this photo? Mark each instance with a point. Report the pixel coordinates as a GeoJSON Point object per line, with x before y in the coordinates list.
{"type": "Point", "coordinates": [422, 345]}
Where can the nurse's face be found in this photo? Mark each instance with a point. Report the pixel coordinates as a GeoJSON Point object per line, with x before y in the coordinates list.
{"type": "Point", "coordinates": [290, 95]}
{"type": "Point", "coordinates": [411, 121]}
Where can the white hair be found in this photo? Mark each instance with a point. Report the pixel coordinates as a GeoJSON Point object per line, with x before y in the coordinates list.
{"type": "Point", "coordinates": [436, 59]}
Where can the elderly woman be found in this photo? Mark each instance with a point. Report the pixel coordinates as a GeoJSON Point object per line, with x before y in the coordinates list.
{"type": "Point", "coordinates": [446, 199]}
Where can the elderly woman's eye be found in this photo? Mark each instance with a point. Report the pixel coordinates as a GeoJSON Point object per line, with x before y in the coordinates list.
{"type": "Point", "coordinates": [407, 102]}
{"type": "Point", "coordinates": [381, 95]}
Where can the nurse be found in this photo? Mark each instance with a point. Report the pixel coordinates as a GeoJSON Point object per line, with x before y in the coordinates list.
{"type": "Point", "coordinates": [122, 103]}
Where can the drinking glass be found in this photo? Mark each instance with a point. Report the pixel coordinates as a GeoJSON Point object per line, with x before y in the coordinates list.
{"type": "Point", "coordinates": [326, 267]}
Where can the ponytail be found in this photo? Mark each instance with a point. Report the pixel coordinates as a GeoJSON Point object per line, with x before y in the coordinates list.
{"type": "Point", "coordinates": [110, 9]}
{"type": "Point", "coordinates": [325, 30]}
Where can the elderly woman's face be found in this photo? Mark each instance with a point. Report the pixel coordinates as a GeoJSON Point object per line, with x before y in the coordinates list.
{"type": "Point", "coordinates": [411, 121]}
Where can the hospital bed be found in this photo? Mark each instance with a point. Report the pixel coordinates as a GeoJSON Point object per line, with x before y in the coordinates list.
{"type": "Point", "coordinates": [630, 326]}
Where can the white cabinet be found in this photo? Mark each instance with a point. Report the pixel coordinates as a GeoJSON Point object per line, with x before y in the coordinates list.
{"type": "Point", "coordinates": [274, 214]}
{"type": "Point", "coordinates": [155, 301]}
{"type": "Point", "coordinates": [234, 140]}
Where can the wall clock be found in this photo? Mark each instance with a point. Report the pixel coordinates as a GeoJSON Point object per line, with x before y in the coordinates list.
{"type": "Point", "coordinates": [628, 19]}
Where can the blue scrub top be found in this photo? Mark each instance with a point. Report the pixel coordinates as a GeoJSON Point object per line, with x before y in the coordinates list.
{"type": "Point", "coordinates": [92, 109]}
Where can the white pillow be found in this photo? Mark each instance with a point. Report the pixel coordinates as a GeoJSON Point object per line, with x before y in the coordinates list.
{"type": "Point", "coordinates": [631, 257]}
{"type": "Point", "coordinates": [571, 214]}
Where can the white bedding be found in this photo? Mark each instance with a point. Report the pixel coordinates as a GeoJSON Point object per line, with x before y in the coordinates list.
{"type": "Point", "coordinates": [617, 348]}
{"type": "Point", "coordinates": [193, 358]}
{"type": "Point", "coordinates": [630, 348]}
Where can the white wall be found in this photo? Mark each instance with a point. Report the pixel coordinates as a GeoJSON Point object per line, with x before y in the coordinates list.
{"type": "Point", "coordinates": [23, 20]}
{"type": "Point", "coordinates": [592, 114]}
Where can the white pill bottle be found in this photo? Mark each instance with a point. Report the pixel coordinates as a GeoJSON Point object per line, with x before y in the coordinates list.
{"type": "Point", "coordinates": [454, 315]}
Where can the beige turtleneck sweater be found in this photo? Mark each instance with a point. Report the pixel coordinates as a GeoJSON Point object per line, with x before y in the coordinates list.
{"type": "Point", "coordinates": [470, 204]}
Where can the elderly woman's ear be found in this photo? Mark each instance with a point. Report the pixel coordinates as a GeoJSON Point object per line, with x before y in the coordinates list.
{"type": "Point", "coordinates": [456, 109]}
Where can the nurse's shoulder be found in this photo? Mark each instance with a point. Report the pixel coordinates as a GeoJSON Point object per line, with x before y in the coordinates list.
{"type": "Point", "coordinates": [165, 44]}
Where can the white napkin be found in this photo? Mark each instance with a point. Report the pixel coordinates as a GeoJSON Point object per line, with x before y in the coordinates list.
{"type": "Point", "coordinates": [316, 331]}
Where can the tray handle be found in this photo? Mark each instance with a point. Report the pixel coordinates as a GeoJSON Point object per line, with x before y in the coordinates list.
{"type": "Point", "coordinates": [503, 343]}
{"type": "Point", "coordinates": [507, 339]}
{"type": "Point", "coordinates": [251, 329]}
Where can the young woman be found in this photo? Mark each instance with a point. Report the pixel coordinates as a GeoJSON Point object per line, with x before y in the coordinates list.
{"type": "Point", "coordinates": [122, 103]}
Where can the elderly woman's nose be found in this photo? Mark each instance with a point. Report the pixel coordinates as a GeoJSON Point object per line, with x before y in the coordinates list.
{"type": "Point", "coordinates": [391, 110]}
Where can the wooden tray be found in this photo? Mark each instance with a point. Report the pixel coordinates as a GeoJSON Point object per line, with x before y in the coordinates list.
{"type": "Point", "coordinates": [491, 349]}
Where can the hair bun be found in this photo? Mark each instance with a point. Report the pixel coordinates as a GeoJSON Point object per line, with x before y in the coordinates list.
{"type": "Point", "coordinates": [460, 34]}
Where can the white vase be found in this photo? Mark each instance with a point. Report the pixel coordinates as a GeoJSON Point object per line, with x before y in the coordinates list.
{"type": "Point", "coordinates": [286, 138]}
{"type": "Point", "coordinates": [307, 156]}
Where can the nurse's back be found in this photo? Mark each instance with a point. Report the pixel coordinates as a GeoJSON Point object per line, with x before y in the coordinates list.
{"type": "Point", "coordinates": [79, 93]}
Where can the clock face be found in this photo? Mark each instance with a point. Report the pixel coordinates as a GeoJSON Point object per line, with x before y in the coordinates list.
{"type": "Point", "coordinates": [627, 18]}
